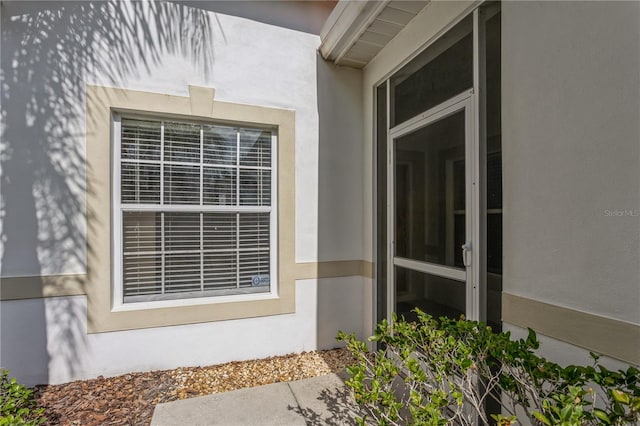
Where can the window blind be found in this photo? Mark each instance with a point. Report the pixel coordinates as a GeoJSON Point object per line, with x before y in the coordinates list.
{"type": "Point", "coordinates": [196, 209]}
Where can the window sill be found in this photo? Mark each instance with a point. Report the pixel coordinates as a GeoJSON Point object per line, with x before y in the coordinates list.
{"type": "Point", "coordinates": [174, 303]}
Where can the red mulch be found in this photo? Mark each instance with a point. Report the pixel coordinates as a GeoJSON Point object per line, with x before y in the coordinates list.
{"type": "Point", "coordinates": [123, 400]}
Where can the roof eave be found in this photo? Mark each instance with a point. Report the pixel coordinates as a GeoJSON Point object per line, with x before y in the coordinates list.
{"type": "Point", "coordinates": [347, 21]}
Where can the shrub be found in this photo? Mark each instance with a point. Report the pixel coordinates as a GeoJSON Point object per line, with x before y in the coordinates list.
{"type": "Point", "coordinates": [444, 372]}
{"type": "Point", "coordinates": [17, 405]}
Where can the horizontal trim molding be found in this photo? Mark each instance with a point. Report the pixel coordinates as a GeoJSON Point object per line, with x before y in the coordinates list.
{"type": "Point", "coordinates": [607, 336]}
{"type": "Point", "coordinates": [33, 287]}
{"type": "Point", "coordinates": [334, 269]}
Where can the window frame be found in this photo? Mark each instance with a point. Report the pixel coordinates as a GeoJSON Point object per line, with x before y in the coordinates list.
{"type": "Point", "coordinates": [198, 103]}
{"type": "Point", "coordinates": [118, 209]}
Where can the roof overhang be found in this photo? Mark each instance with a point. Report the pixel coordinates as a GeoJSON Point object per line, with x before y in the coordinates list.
{"type": "Point", "coordinates": [357, 30]}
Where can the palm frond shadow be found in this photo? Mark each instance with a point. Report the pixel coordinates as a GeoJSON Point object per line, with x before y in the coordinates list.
{"type": "Point", "coordinates": [50, 52]}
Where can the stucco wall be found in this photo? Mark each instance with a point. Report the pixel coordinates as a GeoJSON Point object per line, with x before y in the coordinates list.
{"type": "Point", "coordinates": [564, 353]}
{"type": "Point", "coordinates": [50, 51]}
{"type": "Point", "coordinates": [73, 354]}
{"type": "Point", "coordinates": [571, 154]}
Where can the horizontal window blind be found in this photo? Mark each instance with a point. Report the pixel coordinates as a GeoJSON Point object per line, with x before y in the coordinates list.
{"type": "Point", "coordinates": [195, 203]}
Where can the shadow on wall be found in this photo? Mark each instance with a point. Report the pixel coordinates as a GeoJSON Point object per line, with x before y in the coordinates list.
{"type": "Point", "coordinates": [341, 302]}
{"type": "Point", "coordinates": [307, 15]}
{"type": "Point", "coordinates": [50, 50]}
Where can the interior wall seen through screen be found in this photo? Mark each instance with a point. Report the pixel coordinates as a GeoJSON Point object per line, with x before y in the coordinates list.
{"type": "Point", "coordinates": [437, 296]}
{"type": "Point", "coordinates": [443, 70]}
{"type": "Point", "coordinates": [493, 166]}
{"type": "Point", "coordinates": [430, 193]}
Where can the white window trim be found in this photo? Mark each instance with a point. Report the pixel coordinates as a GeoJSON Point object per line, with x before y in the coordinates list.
{"type": "Point", "coordinates": [117, 302]}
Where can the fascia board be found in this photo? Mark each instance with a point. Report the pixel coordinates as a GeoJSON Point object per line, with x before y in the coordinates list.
{"type": "Point", "coordinates": [346, 23]}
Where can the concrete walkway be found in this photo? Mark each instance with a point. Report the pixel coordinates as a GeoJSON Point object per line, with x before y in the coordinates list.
{"type": "Point", "coordinates": [323, 400]}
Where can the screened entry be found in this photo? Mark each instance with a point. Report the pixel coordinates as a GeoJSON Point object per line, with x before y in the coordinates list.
{"type": "Point", "coordinates": [439, 177]}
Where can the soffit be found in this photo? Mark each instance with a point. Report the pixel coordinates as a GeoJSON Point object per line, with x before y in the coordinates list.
{"type": "Point", "coordinates": [356, 31]}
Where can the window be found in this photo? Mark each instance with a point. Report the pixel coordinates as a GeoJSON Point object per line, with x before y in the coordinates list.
{"type": "Point", "coordinates": [195, 209]}
{"type": "Point", "coordinates": [105, 286]}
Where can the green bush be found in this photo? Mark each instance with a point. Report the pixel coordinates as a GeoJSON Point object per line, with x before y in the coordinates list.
{"type": "Point", "coordinates": [444, 372]}
{"type": "Point", "coordinates": [17, 405]}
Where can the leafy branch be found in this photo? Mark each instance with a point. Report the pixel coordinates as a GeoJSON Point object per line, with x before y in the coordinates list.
{"type": "Point", "coordinates": [437, 372]}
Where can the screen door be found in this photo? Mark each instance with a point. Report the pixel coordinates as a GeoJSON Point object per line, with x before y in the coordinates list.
{"type": "Point", "coordinates": [429, 218]}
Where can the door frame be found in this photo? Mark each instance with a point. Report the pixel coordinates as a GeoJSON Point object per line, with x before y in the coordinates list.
{"type": "Point", "coordinates": [463, 102]}
{"type": "Point", "coordinates": [478, 91]}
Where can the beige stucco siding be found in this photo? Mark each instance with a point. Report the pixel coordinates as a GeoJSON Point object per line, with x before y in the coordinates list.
{"type": "Point", "coordinates": [571, 161]}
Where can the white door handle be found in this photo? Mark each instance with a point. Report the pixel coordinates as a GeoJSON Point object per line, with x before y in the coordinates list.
{"type": "Point", "coordinates": [466, 251]}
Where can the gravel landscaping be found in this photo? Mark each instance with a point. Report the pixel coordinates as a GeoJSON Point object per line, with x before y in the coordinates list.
{"type": "Point", "coordinates": [130, 399]}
